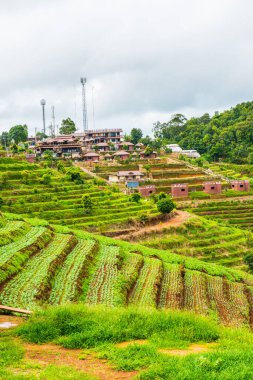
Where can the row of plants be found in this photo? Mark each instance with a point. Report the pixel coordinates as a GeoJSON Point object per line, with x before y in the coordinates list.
{"type": "Point", "coordinates": [33, 281]}
{"type": "Point", "coordinates": [103, 284]}
{"type": "Point", "coordinates": [67, 282]}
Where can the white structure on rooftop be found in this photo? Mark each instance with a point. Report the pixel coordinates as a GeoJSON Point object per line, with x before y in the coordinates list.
{"type": "Point", "coordinates": [192, 153]}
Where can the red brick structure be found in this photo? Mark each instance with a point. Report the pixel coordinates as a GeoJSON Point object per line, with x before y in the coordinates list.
{"type": "Point", "coordinates": [212, 187]}
{"type": "Point", "coordinates": [242, 185]}
{"type": "Point", "coordinates": [146, 191]}
{"type": "Point", "coordinates": [179, 190]}
{"type": "Point", "coordinates": [91, 157]}
{"type": "Point", "coordinates": [122, 155]}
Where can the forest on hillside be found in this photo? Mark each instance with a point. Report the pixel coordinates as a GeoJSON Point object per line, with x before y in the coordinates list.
{"type": "Point", "coordinates": [226, 136]}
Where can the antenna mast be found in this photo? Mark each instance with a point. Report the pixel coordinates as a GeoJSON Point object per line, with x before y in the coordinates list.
{"type": "Point", "coordinates": [85, 120]}
{"type": "Point", "coordinates": [53, 121]}
{"type": "Point", "coordinates": [43, 102]}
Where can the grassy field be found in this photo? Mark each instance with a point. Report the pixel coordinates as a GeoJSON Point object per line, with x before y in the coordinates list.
{"type": "Point", "coordinates": [130, 343]}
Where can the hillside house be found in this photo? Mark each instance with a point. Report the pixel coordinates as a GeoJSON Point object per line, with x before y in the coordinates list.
{"type": "Point", "coordinates": [151, 155]}
{"type": "Point", "coordinates": [103, 147]}
{"type": "Point", "coordinates": [125, 145]}
{"type": "Point", "coordinates": [240, 185]}
{"type": "Point", "coordinates": [212, 187]}
{"type": "Point", "coordinates": [91, 157]}
{"type": "Point", "coordinates": [121, 154]}
{"type": "Point", "coordinates": [174, 147]}
{"type": "Point", "coordinates": [192, 153]}
{"type": "Point", "coordinates": [146, 191]}
{"type": "Point", "coordinates": [179, 190]}
{"type": "Point", "coordinates": [126, 176]}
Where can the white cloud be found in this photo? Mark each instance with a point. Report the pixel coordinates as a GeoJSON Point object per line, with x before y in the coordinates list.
{"type": "Point", "coordinates": [145, 59]}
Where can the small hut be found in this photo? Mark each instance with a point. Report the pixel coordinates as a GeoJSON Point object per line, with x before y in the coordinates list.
{"type": "Point", "coordinates": [146, 191]}
{"type": "Point", "coordinates": [179, 190]}
{"type": "Point", "coordinates": [91, 157]}
{"type": "Point", "coordinates": [212, 187]}
{"type": "Point", "coordinates": [121, 154]}
{"type": "Point", "coordinates": [240, 185]}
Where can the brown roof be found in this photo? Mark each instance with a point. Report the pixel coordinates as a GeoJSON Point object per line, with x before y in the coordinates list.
{"type": "Point", "coordinates": [121, 153]}
{"type": "Point", "coordinates": [102, 144]}
{"type": "Point", "coordinates": [126, 173]}
{"type": "Point", "coordinates": [91, 154]}
{"type": "Point", "coordinates": [127, 143]}
{"type": "Point", "coordinates": [107, 155]}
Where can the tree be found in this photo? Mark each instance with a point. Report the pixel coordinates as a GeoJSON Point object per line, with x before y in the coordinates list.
{"type": "Point", "coordinates": [87, 204]}
{"type": "Point", "coordinates": [74, 175]}
{"type": "Point", "coordinates": [41, 136]}
{"type": "Point", "coordinates": [248, 259]}
{"type": "Point", "coordinates": [136, 197]}
{"type": "Point", "coordinates": [67, 127]}
{"type": "Point", "coordinates": [46, 178]}
{"type": "Point", "coordinates": [18, 133]}
{"type": "Point", "coordinates": [165, 205]}
{"type": "Point", "coordinates": [147, 167]}
{"type": "Point", "coordinates": [135, 135]}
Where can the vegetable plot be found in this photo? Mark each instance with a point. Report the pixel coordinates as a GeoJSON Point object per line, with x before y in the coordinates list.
{"type": "Point", "coordinates": [146, 287]}
{"type": "Point", "coordinates": [66, 282]}
{"type": "Point", "coordinates": [172, 287]}
{"type": "Point", "coordinates": [29, 285]}
{"type": "Point", "coordinates": [102, 287]}
{"type": "Point", "coordinates": [195, 292]}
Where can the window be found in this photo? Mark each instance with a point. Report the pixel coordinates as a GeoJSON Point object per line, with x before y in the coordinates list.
{"type": "Point", "coordinates": [241, 185]}
{"type": "Point", "coordinates": [212, 187]}
{"type": "Point", "coordinates": [182, 189]}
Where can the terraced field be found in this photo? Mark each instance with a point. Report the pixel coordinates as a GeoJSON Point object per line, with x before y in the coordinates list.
{"type": "Point", "coordinates": [23, 191]}
{"type": "Point", "coordinates": [236, 213]}
{"type": "Point", "coordinates": [56, 266]}
{"type": "Point", "coordinates": [203, 239]}
{"type": "Point", "coordinates": [232, 171]}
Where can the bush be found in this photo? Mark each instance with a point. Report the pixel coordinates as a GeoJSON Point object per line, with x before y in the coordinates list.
{"type": "Point", "coordinates": [136, 197]}
{"type": "Point", "coordinates": [165, 205]}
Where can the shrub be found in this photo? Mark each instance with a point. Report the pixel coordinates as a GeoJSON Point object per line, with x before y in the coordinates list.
{"type": "Point", "coordinates": [165, 205]}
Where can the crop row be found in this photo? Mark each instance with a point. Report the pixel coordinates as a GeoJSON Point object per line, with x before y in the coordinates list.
{"type": "Point", "coordinates": [146, 288]}
{"type": "Point", "coordinates": [66, 283]}
{"type": "Point", "coordinates": [32, 282]}
{"type": "Point", "coordinates": [102, 287]}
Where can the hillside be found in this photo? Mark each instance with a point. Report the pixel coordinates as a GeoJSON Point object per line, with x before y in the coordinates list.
{"type": "Point", "coordinates": [43, 264]}
{"type": "Point", "coordinates": [201, 238]}
{"type": "Point", "coordinates": [227, 135]}
{"type": "Point", "coordinates": [33, 190]}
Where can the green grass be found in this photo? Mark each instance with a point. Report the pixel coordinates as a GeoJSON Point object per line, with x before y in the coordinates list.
{"type": "Point", "coordinates": [99, 329]}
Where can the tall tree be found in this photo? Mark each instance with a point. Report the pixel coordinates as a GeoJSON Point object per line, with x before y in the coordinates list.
{"type": "Point", "coordinates": [18, 133]}
{"type": "Point", "coordinates": [135, 135]}
{"type": "Point", "coordinates": [67, 127]}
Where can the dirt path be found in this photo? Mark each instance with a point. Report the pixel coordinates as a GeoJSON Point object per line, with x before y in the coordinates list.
{"type": "Point", "coordinates": [179, 218]}
{"type": "Point", "coordinates": [92, 174]}
{"type": "Point", "coordinates": [47, 354]}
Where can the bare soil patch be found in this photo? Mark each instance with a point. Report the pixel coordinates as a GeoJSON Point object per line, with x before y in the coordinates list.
{"type": "Point", "coordinates": [176, 221]}
{"type": "Point", "coordinates": [192, 349]}
{"type": "Point", "coordinates": [47, 354]}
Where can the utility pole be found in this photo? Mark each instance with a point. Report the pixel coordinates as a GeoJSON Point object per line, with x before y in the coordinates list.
{"type": "Point", "coordinates": [93, 108]}
{"type": "Point", "coordinates": [43, 103]}
{"type": "Point", "coordinates": [85, 120]}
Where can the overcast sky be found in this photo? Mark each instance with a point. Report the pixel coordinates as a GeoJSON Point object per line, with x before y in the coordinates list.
{"type": "Point", "coordinates": [144, 59]}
